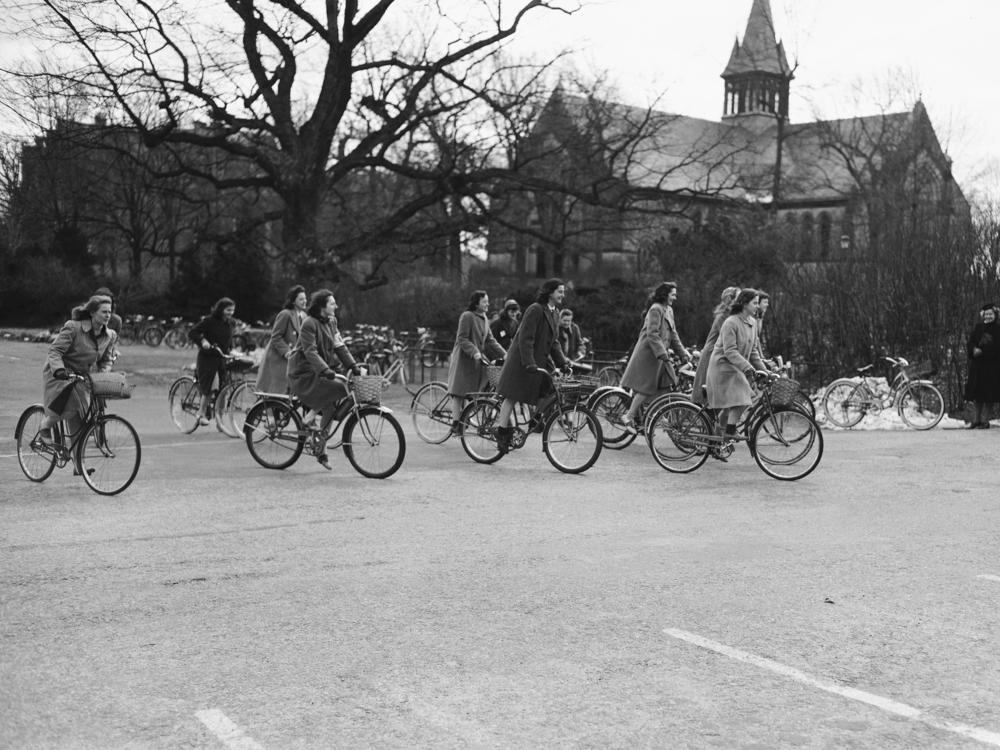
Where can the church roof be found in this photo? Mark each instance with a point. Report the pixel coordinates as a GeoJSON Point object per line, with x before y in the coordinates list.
{"type": "Point", "coordinates": [760, 52]}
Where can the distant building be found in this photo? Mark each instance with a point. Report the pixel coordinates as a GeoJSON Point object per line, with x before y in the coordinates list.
{"type": "Point", "coordinates": [642, 176]}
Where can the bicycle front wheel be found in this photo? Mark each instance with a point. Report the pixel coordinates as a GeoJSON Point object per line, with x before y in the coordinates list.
{"type": "Point", "coordinates": [185, 404]}
{"type": "Point", "coordinates": [108, 455]}
{"type": "Point", "coordinates": [153, 336]}
{"type": "Point", "coordinates": [222, 422]}
{"type": "Point", "coordinates": [921, 406]}
{"type": "Point", "coordinates": [786, 444]}
{"type": "Point", "coordinates": [479, 422]}
{"type": "Point", "coordinates": [680, 435]}
{"type": "Point", "coordinates": [430, 411]}
{"type": "Point", "coordinates": [610, 409]}
{"type": "Point", "coordinates": [374, 442]}
{"type": "Point", "coordinates": [37, 460]}
{"type": "Point", "coordinates": [572, 439]}
{"type": "Point", "coordinates": [844, 402]}
{"type": "Point", "coordinates": [274, 434]}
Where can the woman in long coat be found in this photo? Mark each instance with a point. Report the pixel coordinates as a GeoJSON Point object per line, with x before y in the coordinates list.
{"type": "Point", "coordinates": [721, 312]}
{"type": "Point", "coordinates": [983, 385]}
{"type": "Point", "coordinates": [649, 369]}
{"type": "Point", "coordinates": [311, 375]}
{"type": "Point", "coordinates": [535, 342]}
{"type": "Point", "coordinates": [734, 362]}
{"type": "Point", "coordinates": [474, 344]}
{"type": "Point", "coordinates": [84, 343]}
{"type": "Point", "coordinates": [273, 374]}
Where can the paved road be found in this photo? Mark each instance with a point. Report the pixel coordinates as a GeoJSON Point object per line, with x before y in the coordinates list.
{"type": "Point", "coordinates": [216, 604]}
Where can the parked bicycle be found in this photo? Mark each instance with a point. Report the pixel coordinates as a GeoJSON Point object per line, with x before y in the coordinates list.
{"type": "Point", "coordinates": [105, 450]}
{"type": "Point", "coordinates": [785, 442]}
{"type": "Point", "coordinates": [176, 336]}
{"type": "Point", "coordinates": [143, 329]}
{"type": "Point", "coordinates": [571, 434]}
{"type": "Point", "coordinates": [277, 433]}
{"type": "Point", "coordinates": [918, 402]}
{"type": "Point", "coordinates": [229, 401]}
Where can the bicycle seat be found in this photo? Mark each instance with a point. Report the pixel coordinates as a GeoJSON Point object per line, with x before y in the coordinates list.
{"type": "Point", "coordinates": [866, 368]}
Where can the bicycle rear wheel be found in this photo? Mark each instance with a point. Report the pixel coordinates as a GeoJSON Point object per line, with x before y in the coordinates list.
{"type": "Point", "coordinates": [844, 402]}
{"type": "Point", "coordinates": [36, 459]}
{"type": "Point", "coordinates": [786, 444]}
{"type": "Point", "coordinates": [680, 436]}
{"type": "Point", "coordinates": [572, 439]}
{"type": "Point", "coordinates": [609, 375]}
{"type": "Point", "coordinates": [185, 404]}
{"type": "Point", "coordinates": [153, 336]}
{"type": "Point", "coordinates": [921, 406]}
{"type": "Point", "coordinates": [274, 434]}
{"type": "Point", "coordinates": [479, 440]}
{"type": "Point", "coordinates": [109, 454]}
{"type": "Point", "coordinates": [222, 423]}
{"type": "Point", "coordinates": [430, 411]}
{"type": "Point", "coordinates": [610, 409]}
{"type": "Point", "coordinates": [374, 442]}
{"type": "Point", "coordinates": [240, 401]}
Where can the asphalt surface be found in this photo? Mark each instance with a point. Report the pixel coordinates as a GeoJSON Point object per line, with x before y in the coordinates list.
{"type": "Point", "coordinates": [217, 604]}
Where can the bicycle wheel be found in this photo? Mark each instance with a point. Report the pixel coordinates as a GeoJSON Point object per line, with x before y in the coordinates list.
{"type": "Point", "coordinates": [175, 338]}
{"type": "Point", "coordinates": [274, 434]}
{"type": "Point", "coordinates": [374, 366]}
{"type": "Point", "coordinates": [479, 440]}
{"type": "Point", "coordinates": [108, 455]}
{"type": "Point", "coordinates": [680, 435]}
{"type": "Point", "coordinates": [428, 354]}
{"type": "Point", "coordinates": [920, 405]}
{"type": "Point", "coordinates": [37, 460]}
{"type": "Point", "coordinates": [241, 400]}
{"type": "Point", "coordinates": [430, 411]}
{"type": "Point", "coordinates": [572, 439]}
{"type": "Point", "coordinates": [610, 409]}
{"type": "Point", "coordinates": [222, 423]}
{"type": "Point", "coordinates": [374, 442]}
{"type": "Point", "coordinates": [153, 336]}
{"type": "Point", "coordinates": [844, 402]}
{"type": "Point", "coordinates": [803, 403]}
{"type": "Point", "coordinates": [653, 406]}
{"type": "Point", "coordinates": [609, 375]}
{"type": "Point", "coordinates": [786, 444]}
{"type": "Point", "coordinates": [185, 404]}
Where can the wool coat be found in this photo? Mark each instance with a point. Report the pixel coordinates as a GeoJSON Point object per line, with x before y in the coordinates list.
{"type": "Point", "coordinates": [78, 348]}
{"type": "Point", "coordinates": [310, 369]}
{"type": "Point", "coordinates": [535, 342]}
{"type": "Point", "coordinates": [571, 341]}
{"type": "Point", "coordinates": [503, 329]}
{"type": "Point", "coordinates": [983, 385]}
{"type": "Point", "coordinates": [465, 374]}
{"type": "Point", "coordinates": [697, 389]}
{"type": "Point", "coordinates": [272, 377]}
{"type": "Point", "coordinates": [218, 332]}
{"type": "Point", "coordinates": [649, 369]}
{"type": "Point", "coordinates": [736, 352]}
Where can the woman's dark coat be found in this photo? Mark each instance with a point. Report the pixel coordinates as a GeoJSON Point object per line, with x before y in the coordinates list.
{"type": "Point", "coordinates": [983, 385]}
{"type": "Point", "coordinates": [218, 332]}
{"type": "Point", "coordinates": [535, 342]}
{"type": "Point", "coordinates": [310, 369]}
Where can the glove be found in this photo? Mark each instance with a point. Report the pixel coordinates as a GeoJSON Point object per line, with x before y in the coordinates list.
{"type": "Point", "coordinates": [498, 361]}
{"type": "Point", "coordinates": [761, 375]}
{"type": "Point", "coordinates": [61, 374]}
{"type": "Point", "coordinates": [567, 369]}
{"type": "Point", "coordinates": [356, 369]}
{"type": "Point", "coordinates": [531, 368]}
{"type": "Point", "coordinates": [328, 375]}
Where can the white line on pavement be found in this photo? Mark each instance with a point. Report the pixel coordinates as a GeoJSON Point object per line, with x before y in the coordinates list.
{"type": "Point", "coordinates": [886, 704]}
{"type": "Point", "coordinates": [228, 733]}
{"type": "Point", "coordinates": [151, 446]}
{"type": "Point", "coordinates": [988, 577]}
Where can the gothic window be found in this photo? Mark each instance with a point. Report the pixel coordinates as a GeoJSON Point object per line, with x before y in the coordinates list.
{"type": "Point", "coordinates": [807, 237]}
{"type": "Point", "coordinates": [825, 231]}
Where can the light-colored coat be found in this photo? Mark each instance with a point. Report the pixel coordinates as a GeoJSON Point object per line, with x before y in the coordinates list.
{"type": "Point", "coordinates": [318, 347]}
{"type": "Point", "coordinates": [273, 374]}
{"type": "Point", "coordinates": [465, 374]}
{"type": "Point", "coordinates": [77, 350]}
{"type": "Point", "coordinates": [649, 369]}
{"type": "Point", "coordinates": [534, 343]}
{"type": "Point", "coordinates": [697, 391]}
{"type": "Point", "coordinates": [736, 352]}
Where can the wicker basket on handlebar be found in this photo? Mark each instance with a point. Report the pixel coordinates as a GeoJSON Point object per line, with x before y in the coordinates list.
{"type": "Point", "coordinates": [783, 391]}
{"type": "Point", "coordinates": [111, 385]}
{"type": "Point", "coordinates": [493, 375]}
{"type": "Point", "coordinates": [368, 388]}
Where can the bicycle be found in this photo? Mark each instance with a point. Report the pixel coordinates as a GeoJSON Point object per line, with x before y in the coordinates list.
{"type": "Point", "coordinates": [176, 336]}
{"type": "Point", "coordinates": [228, 402]}
{"type": "Point", "coordinates": [571, 434]}
{"type": "Point", "coordinates": [277, 434]}
{"type": "Point", "coordinates": [141, 328]}
{"type": "Point", "coordinates": [105, 451]}
{"type": "Point", "coordinates": [786, 443]}
{"type": "Point", "coordinates": [918, 402]}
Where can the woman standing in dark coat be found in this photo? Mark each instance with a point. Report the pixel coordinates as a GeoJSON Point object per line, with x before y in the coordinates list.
{"type": "Point", "coordinates": [535, 342]}
{"type": "Point", "coordinates": [311, 376]}
{"type": "Point", "coordinates": [214, 336]}
{"type": "Point", "coordinates": [474, 343]}
{"type": "Point", "coordinates": [983, 385]}
{"type": "Point", "coordinates": [273, 374]}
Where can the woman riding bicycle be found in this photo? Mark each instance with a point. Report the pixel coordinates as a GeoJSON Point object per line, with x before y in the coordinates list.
{"type": "Point", "coordinates": [311, 376]}
{"type": "Point", "coordinates": [83, 344]}
{"type": "Point", "coordinates": [474, 346]}
{"type": "Point", "coordinates": [213, 335]}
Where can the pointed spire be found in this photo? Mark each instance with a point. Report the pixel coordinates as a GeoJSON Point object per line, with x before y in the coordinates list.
{"type": "Point", "coordinates": [760, 52]}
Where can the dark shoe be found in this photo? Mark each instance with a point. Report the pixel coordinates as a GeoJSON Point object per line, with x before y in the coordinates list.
{"type": "Point", "coordinates": [342, 408]}
{"type": "Point", "coordinates": [503, 438]}
{"type": "Point", "coordinates": [324, 461]}
{"type": "Point", "coordinates": [984, 425]}
{"type": "Point", "coordinates": [535, 424]}
{"type": "Point", "coordinates": [456, 429]}
{"type": "Point", "coordinates": [77, 472]}
{"type": "Point", "coordinates": [714, 453]}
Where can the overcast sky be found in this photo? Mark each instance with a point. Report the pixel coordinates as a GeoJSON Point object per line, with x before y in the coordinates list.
{"type": "Point", "coordinates": [947, 52]}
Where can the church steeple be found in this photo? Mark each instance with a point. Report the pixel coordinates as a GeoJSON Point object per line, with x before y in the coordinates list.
{"type": "Point", "coordinates": [757, 76]}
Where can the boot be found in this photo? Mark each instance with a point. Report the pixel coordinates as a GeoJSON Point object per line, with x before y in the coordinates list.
{"type": "Point", "coordinates": [503, 438]}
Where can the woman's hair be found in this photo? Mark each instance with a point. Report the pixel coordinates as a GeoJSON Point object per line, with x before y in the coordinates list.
{"type": "Point", "coordinates": [546, 289]}
{"type": "Point", "coordinates": [292, 294]}
{"type": "Point", "coordinates": [763, 295]}
{"type": "Point", "coordinates": [84, 311]}
{"type": "Point", "coordinates": [742, 299]}
{"type": "Point", "coordinates": [318, 301]}
{"type": "Point", "coordinates": [221, 305]}
{"type": "Point", "coordinates": [726, 300]}
{"type": "Point", "coordinates": [662, 292]}
{"type": "Point", "coordinates": [475, 298]}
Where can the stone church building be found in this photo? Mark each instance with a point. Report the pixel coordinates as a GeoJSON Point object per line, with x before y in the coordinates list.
{"type": "Point", "coordinates": [637, 176]}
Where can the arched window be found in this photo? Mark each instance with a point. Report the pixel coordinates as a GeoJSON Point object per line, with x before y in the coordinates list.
{"type": "Point", "coordinates": [807, 237]}
{"type": "Point", "coordinates": [825, 231]}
